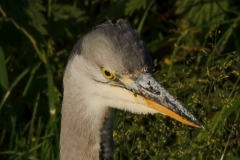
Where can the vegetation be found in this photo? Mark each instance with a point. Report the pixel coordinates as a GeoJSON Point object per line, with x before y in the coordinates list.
{"type": "Point", "coordinates": [195, 45]}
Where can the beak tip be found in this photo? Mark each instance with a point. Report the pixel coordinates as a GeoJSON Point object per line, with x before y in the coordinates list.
{"type": "Point", "coordinates": [199, 125]}
{"type": "Point", "coordinates": [202, 126]}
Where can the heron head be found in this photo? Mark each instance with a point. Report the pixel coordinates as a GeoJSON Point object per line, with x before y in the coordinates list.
{"type": "Point", "coordinates": [113, 68]}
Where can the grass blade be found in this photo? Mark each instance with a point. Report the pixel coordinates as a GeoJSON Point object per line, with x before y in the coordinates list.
{"type": "Point", "coordinates": [3, 72]}
{"type": "Point", "coordinates": [51, 92]}
{"type": "Point", "coordinates": [31, 130]}
{"type": "Point", "coordinates": [35, 68]}
{"type": "Point", "coordinates": [224, 113]}
{"type": "Point", "coordinates": [144, 17]}
{"type": "Point", "coordinates": [12, 86]}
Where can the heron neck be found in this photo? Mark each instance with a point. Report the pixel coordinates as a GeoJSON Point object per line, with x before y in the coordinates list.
{"type": "Point", "coordinates": [86, 132]}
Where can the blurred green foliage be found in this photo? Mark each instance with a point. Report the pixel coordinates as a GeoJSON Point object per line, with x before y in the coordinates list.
{"type": "Point", "coordinates": [195, 45]}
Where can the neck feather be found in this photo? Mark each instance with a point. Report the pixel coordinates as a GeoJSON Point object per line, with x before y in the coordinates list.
{"type": "Point", "coordinates": [84, 136]}
{"type": "Point", "coordinates": [86, 129]}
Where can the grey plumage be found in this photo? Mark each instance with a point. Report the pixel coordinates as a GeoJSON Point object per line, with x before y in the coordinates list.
{"type": "Point", "coordinates": [119, 39]}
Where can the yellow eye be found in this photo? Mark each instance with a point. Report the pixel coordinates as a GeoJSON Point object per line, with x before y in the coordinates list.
{"type": "Point", "coordinates": [107, 73]}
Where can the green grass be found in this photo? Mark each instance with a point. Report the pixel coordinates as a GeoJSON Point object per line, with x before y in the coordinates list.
{"type": "Point", "coordinates": [197, 60]}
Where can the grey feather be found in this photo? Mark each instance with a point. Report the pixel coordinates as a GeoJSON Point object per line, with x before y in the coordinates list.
{"type": "Point", "coordinates": [123, 49]}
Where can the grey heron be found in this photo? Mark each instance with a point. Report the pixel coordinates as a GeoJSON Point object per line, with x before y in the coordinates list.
{"type": "Point", "coordinates": [109, 67]}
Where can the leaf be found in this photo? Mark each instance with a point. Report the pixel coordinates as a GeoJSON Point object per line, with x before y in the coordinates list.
{"type": "Point", "coordinates": [134, 5]}
{"type": "Point", "coordinates": [199, 11]}
{"type": "Point", "coordinates": [27, 14]}
{"type": "Point", "coordinates": [34, 10]}
{"type": "Point", "coordinates": [66, 12]}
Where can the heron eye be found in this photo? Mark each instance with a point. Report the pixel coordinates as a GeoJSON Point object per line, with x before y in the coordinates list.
{"type": "Point", "coordinates": [107, 73]}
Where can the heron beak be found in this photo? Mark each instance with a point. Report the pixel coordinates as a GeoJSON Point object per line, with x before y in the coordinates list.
{"type": "Point", "coordinates": [147, 91]}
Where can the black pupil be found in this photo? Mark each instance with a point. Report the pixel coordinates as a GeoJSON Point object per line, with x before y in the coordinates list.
{"type": "Point", "coordinates": [107, 73]}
